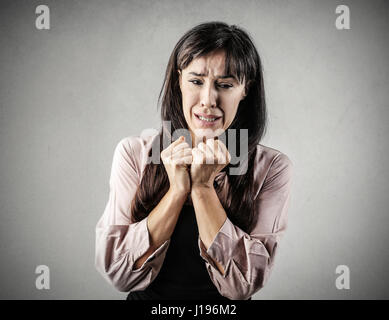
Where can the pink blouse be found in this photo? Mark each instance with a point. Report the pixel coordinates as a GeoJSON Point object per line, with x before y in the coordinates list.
{"type": "Point", "coordinates": [246, 258]}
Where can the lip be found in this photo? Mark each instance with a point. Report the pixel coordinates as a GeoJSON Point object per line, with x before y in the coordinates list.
{"type": "Point", "coordinates": [204, 123]}
{"type": "Point", "coordinates": [209, 116]}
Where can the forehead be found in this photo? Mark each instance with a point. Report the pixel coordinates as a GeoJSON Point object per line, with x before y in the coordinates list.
{"type": "Point", "coordinates": [212, 64]}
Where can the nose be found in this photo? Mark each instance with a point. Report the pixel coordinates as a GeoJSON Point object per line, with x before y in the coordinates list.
{"type": "Point", "coordinates": [208, 96]}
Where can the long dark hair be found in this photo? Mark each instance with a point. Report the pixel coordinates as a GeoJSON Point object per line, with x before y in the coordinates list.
{"type": "Point", "coordinates": [243, 61]}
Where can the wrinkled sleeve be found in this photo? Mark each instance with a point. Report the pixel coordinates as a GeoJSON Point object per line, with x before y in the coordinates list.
{"type": "Point", "coordinates": [247, 259]}
{"type": "Point", "coordinates": [119, 241]}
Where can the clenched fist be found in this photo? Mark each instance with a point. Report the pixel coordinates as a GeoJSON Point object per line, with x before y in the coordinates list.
{"type": "Point", "coordinates": [208, 160]}
{"type": "Point", "coordinates": [176, 158]}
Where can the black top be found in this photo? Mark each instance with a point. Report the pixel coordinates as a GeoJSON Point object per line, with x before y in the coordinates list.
{"type": "Point", "coordinates": [183, 274]}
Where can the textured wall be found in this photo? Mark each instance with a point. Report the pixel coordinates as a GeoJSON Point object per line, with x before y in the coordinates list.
{"type": "Point", "coordinates": [69, 94]}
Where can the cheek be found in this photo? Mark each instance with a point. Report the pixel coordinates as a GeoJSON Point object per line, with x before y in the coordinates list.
{"type": "Point", "coordinates": [230, 108]}
{"type": "Point", "coordinates": [187, 94]}
{"type": "Point", "coordinates": [189, 101]}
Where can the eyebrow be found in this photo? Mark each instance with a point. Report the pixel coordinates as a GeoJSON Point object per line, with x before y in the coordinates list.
{"type": "Point", "coordinates": [220, 77]}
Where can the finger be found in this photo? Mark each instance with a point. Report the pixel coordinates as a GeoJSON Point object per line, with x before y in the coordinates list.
{"type": "Point", "coordinates": [178, 148]}
{"type": "Point", "coordinates": [182, 153]}
{"type": "Point", "coordinates": [203, 147]}
{"type": "Point", "coordinates": [224, 151]}
{"type": "Point", "coordinates": [219, 155]}
{"type": "Point", "coordinates": [222, 146]}
{"type": "Point", "coordinates": [185, 160]}
{"type": "Point", "coordinates": [178, 141]}
{"type": "Point", "coordinates": [167, 160]}
{"type": "Point", "coordinates": [198, 156]}
{"type": "Point", "coordinates": [212, 151]}
{"type": "Point", "coordinates": [207, 149]}
{"type": "Point", "coordinates": [212, 146]}
{"type": "Point", "coordinates": [168, 151]}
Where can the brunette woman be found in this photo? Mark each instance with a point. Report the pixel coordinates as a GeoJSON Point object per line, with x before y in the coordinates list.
{"type": "Point", "coordinates": [184, 228]}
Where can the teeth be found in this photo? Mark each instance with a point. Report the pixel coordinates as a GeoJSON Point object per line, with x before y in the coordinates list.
{"type": "Point", "coordinates": [206, 119]}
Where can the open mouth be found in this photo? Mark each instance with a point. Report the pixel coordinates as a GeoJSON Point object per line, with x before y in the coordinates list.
{"type": "Point", "coordinates": [207, 119]}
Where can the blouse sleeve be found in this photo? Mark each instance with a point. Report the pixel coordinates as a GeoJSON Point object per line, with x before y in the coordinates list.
{"type": "Point", "coordinates": [247, 259]}
{"type": "Point", "coordinates": [119, 241]}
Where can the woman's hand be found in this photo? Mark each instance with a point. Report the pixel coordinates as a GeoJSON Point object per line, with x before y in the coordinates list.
{"type": "Point", "coordinates": [208, 160]}
{"type": "Point", "coordinates": [176, 158]}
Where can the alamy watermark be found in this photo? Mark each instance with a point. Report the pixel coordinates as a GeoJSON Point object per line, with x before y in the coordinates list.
{"type": "Point", "coordinates": [342, 21]}
{"type": "Point", "coordinates": [233, 147]}
{"type": "Point", "coordinates": [343, 280]}
{"type": "Point", "coordinates": [42, 21]}
{"type": "Point", "coordinates": [42, 281]}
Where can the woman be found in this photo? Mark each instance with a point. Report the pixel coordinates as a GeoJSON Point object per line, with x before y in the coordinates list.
{"type": "Point", "coordinates": [185, 228]}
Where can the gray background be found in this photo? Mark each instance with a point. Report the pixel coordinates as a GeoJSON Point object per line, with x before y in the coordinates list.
{"type": "Point", "coordinates": [69, 94]}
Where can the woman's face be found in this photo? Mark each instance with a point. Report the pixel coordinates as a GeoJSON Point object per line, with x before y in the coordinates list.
{"type": "Point", "coordinates": [208, 92]}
